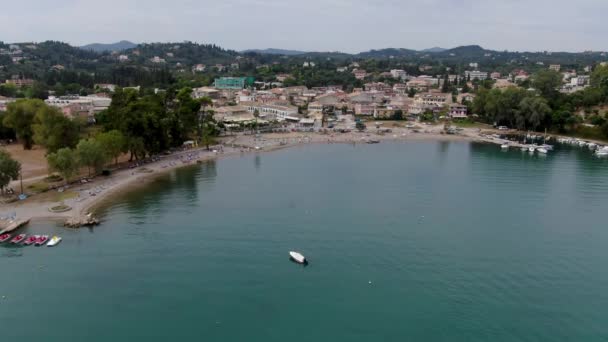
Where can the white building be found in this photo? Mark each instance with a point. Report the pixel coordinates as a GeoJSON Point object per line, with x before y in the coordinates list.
{"type": "Point", "coordinates": [479, 75]}
{"type": "Point", "coordinates": [399, 74]}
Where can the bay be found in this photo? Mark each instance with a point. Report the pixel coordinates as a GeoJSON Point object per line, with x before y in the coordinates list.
{"type": "Point", "coordinates": [421, 241]}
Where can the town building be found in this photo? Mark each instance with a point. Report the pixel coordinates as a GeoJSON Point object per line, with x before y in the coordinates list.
{"type": "Point", "coordinates": [495, 75]}
{"type": "Point", "coordinates": [458, 111]}
{"type": "Point", "coordinates": [20, 82]}
{"type": "Point", "coordinates": [360, 74]}
{"type": "Point", "coordinates": [475, 75]}
{"type": "Point", "coordinates": [233, 82]}
{"type": "Point", "coordinates": [399, 74]}
{"type": "Point", "coordinates": [555, 67]}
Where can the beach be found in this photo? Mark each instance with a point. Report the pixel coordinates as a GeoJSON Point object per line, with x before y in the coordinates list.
{"type": "Point", "coordinates": [101, 189]}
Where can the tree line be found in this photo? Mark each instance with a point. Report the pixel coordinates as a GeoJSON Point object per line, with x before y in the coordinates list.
{"type": "Point", "coordinates": [543, 106]}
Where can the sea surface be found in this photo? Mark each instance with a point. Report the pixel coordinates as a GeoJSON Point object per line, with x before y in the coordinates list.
{"type": "Point", "coordinates": [407, 241]}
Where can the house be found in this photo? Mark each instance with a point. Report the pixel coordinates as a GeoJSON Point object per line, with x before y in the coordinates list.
{"type": "Point", "coordinates": [209, 92]}
{"type": "Point", "coordinates": [4, 101]}
{"type": "Point", "coordinates": [399, 74]}
{"type": "Point", "coordinates": [365, 109]}
{"type": "Point", "coordinates": [20, 82]}
{"type": "Point", "coordinates": [276, 111]}
{"type": "Point", "coordinates": [342, 69]}
{"type": "Point", "coordinates": [400, 89]}
{"type": "Point", "coordinates": [581, 80]}
{"type": "Point", "coordinates": [429, 101]}
{"type": "Point", "coordinates": [377, 87]}
{"type": "Point", "coordinates": [419, 84]}
{"type": "Point", "coordinates": [199, 68]}
{"type": "Point", "coordinates": [360, 74]}
{"type": "Point", "coordinates": [475, 74]}
{"type": "Point", "coordinates": [503, 83]}
{"type": "Point", "coordinates": [555, 67]}
{"type": "Point", "coordinates": [105, 86]}
{"type": "Point", "coordinates": [80, 106]}
{"type": "Point", "coordinates": [315, 107]}
{"type": "Point", "coordinates": [457, 111]}
{"type": "Point", "coordinates": [157, 59]}
{"type": "Point", "coordinates": [495, 75]}
{"type": "Point", "coordinates": [232, 114]}
{"type": "Point", "coordinates": [123, 58]}
{"type": "Point", "coordinates": [282, 77]}
{"type": "Point", "coordinates": [474, 65]}
{"type": "Point", "coordinates": [465, 97]}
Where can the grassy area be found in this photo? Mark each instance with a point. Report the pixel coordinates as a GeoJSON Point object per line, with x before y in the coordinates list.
{"type": "Point", "coordinates": [66, 195]}
{"type": "Point", "coordinates": [38, 187]}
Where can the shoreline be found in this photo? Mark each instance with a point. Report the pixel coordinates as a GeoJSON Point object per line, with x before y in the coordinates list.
{"type": "Point", "coordinates": [122, 181]}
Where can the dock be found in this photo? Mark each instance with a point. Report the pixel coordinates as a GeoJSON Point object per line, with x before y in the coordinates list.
{"type": "Point", "coordinates": [14, 225]}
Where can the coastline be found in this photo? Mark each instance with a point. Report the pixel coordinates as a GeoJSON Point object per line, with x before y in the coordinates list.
{"type": "Point", "coordinates": [125, 180]}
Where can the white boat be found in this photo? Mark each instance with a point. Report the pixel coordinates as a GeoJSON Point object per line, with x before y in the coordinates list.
{"type": "Point", "coordinates": [542, 150]}
{"type": "Point", "coordinates": [297, 257]}
{"type": "Point", "coordinates": [602, 151]}
{"type": "Point", "coordinates": [504, 146]}
{"type": "Point", "coordinates": [54, 241]}
{"type": "Point", "coordinates": [547, 147]}
{"type": "Point", "coordinates": [524, 149]}
{"type": "Point", "coordinates": [592, 146]}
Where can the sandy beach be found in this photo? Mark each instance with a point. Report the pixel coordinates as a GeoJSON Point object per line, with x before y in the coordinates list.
{"type": "Point", "coordinates": [91, 195]}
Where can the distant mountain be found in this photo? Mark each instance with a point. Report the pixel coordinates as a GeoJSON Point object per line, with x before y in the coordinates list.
{"type": "Point", "coordinates": [467, 50]}
{"type": "Point", "coordinates": [434, 49]}
{"type": "Point", "coordinates": [277, 52]}
{"type": "Point", "coordinates": [389, 52]}
{"type": "Point", "coordinates": [120, 46]}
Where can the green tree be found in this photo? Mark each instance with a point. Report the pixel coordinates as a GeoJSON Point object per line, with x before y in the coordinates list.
{"type": "Point", "coordinates": [398, 115]}
{"type": "Point", "coordinates": [533, 111]}
{"type": "Point", "coordinates": [561, 119]}
{"type": "Point", "coordinates": [113, 144]}
{"type": "Point", "coordinates": [91, 154]}
{"type": "Point", "coordinates": [54, 130]}
{"type": "Point", "coordinates": [65, 161]}
{"type": "Point", "coordinates": [9, 169]}
{"type": "Point", "coordinates": [547, 83]}
{"type": "Point", "coordinates": [445, 87]}
{"type": "Point", "coordinates": [20, 117]}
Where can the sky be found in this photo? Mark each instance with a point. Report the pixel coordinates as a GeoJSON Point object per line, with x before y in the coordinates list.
{"type": "Point", "coordinates": [315, 25]}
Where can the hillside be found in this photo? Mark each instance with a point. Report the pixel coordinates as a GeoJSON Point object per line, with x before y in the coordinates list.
{"type": "Point", "coordinates": [119, 46]}
{"type": "Point", "coordinates": [271, 51]}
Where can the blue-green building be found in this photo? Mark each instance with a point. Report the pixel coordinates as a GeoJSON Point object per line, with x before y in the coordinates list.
{"type": "Point", "coordinates": [233, 82]}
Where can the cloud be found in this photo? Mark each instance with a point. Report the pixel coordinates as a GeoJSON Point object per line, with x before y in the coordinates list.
{"type": "Point", "coordinates": [346, 25]}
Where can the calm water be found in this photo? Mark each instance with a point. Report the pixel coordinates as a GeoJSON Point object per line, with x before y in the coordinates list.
{"type": "Point", "coordinates": [407, 241]}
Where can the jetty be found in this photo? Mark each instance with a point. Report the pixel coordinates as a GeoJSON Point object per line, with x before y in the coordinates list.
{"type": "Point", "coordinates": [14, 225]}
{"type": "Point", "coordinates": [77, 222]}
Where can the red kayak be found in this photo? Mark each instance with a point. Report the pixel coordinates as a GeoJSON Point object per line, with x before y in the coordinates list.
{"type": "Point", "coordinates": [31, 240]}
{"type": "Point", "coordinates": [4, 237]}
{"type": "Point", "coordinates": [42, 239]}
{"type": "Point", "coordinates": [18, 239]}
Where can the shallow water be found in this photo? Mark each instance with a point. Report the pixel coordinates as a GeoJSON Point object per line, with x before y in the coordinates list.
{"type": "Point", "coordinates": [418, 241]}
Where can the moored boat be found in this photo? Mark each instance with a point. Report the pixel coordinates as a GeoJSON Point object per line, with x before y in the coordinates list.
{"type": "Point", "coordinates": [30, 240]}
{"type": "Point", "coordinates": [54, 241]}
{"type": "Point", "coordinates": [297, 257]}
{"type": "Point", "coordinates": [18, 239]}
{"type": "Point", "coordinates": [4, 237]}
{"type": "Point", "coordinates": [42, 239]}
{"type": "Point", "coordinates": [504, 146]}
{"type": "Point", "coordinates": [542, 150]}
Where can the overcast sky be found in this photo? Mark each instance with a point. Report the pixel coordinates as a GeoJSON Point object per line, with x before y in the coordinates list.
{"type": "Point", "coordinates": [315, 25]}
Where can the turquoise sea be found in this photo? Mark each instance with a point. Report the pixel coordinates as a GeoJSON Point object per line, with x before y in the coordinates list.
{"type": "Point", "coordinates": [412, 241]}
